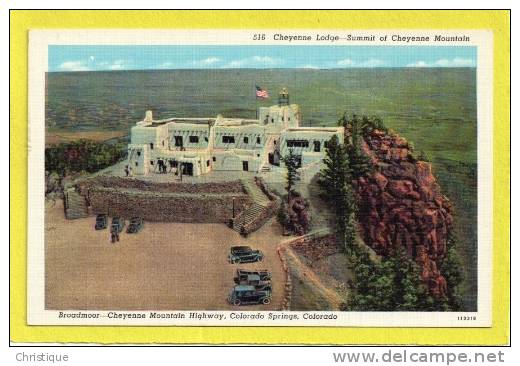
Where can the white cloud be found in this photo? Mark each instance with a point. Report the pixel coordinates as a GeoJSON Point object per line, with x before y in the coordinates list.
{"type": "Point", "coordinates": [308, 66]}
{"type": "Point", "coordinates": [367, 63]}
{"type": "Point", "coordinates": [444, 62]}
{"type": "Point", "coordinates": [119, 65]}
{"type": "Point", "coordinates": [346, 62]}
{"type": "Point", "coordinates": [73, 66]}
{"type": "Point", "coordinates": [372, 63]}
{"type": "Point", "coordinates": [255, 61]}
{"type": "Point", "coordinates": [207, 61]}
{"type": "Point", "coordinates": [114, 65]}
{"type": "Point", "coordinates": [418, 64]}
{"type": "Point", "coordinates": [456, 62]}
{"type": "Point", "coordinates": [165, 65]}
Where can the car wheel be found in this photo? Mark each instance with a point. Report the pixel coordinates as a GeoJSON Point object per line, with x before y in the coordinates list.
{"type": "Point", "coordinates": [266, 301]}
{"type": "Point", "coordinates": [236, 302]}
{"type": "Point", "coordinates": [236, 261]}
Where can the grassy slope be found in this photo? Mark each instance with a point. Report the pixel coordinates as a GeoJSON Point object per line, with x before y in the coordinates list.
{"type": "Point", "coordinates": [434, 108]}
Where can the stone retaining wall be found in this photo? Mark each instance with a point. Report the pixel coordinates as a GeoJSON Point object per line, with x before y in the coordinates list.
{"type": "Point", "coordinates": [168, 207]}
{"type": "Point", "coordinates": [322, 237]}
{"type": "Point", "coordinates": [287, 297]}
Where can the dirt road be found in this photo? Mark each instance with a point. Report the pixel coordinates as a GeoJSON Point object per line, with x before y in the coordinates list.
{"type": "Point", "coordinates": [167, 266]}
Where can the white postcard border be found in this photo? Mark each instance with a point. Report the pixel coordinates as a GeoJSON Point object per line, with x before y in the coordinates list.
{"type": "Point", "coordinates": [39, 40]}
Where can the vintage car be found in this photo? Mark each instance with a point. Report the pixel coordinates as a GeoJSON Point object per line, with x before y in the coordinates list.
{"type": "Point", "coordinates": [244, 254]}
{"type": "Point", "coordinates": [242, 274]}
{"type": "Point", "coordinates": [136, 224]}
{"type": "Point", "coordinates": [250, 279]}
{"type": "Point", "coordinates": [118, 223]}
{"type": "Point", "coordinates": [253, 280]}
{"type": "Point", "coordinates": [101, 222]}
{"type": "Point", "coordinates": [248, 295]}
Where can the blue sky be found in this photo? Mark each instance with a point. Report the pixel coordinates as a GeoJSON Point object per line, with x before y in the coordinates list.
{"type": "Point", "coordinates": [98, 58]}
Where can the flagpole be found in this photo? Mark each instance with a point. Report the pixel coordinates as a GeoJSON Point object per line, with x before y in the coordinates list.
{"type": "Point", "coordinates": [256, 103]}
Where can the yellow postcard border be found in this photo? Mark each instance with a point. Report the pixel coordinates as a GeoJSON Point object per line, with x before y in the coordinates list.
{"type": "Point", "coordinates": [497, 21]}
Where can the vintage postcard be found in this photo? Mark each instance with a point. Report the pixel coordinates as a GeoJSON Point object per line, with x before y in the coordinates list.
{"type": "Point", "coordinates": [260, 178]}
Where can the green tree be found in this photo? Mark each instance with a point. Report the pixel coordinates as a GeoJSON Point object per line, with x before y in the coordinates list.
{"type": "Point", "coordinates": [282, 216]}
{"type": "Point", "coordinates": [336, 173]}
{"type": "Point", "coordinates": [359, 162]}
{"type": "Point", "coordinates": [336, 183]}
{"type": "Point", "coordinates": [81, 155]}
{"type": "Point", "coordinates": [292, 163]}
{"type": "Point", "coordinates": [355, 128]}
{"type": "Point", "coordinates": [451, 270]}
{"type": "Point", "coordinates": [394, 284]}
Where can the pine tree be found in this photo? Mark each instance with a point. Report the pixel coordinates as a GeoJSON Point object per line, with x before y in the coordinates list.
{"type": "Point", "coordinates": [346, 210]}
{"type": "Point", "coordinates": [282, 216]}
{"type": "Point", "coordinates": [335, 180]}
{"type": "Point", "coordinates": [394, 284]}
{"type": "Point", "coordinates": [359, 162]}
{"type": "Point", "coordinates": [336, 172]}
{"type": "Point", "coordinates": [451, 270]}
{"type": "Point", "coordinates": [291, 162]}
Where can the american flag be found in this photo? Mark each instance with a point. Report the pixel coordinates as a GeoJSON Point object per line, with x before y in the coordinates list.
{"type": "Point", "coordinates": [261, 93]}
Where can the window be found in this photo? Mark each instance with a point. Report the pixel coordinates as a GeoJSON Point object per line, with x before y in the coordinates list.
{"type": "Point", "coordinates": [297, 143]}
{"type": "Point", "coordinates": [194, 139]}
{"type": "Point", "coordinates": [151, 145]}
{"type": "Point", "coordinates": [136, 163]}
{"type": "Point", "coordinates": [214, 159]}
{"type": "Point", "coordinates": [317, 146]}
{"type": "Point", "coordinates": [272, 120]}
{"type": "Point", "coordinates": [139, 153]}
{"type": "Point", "coordinates": [282, 118]}
{"type": "Point", "coordinates": [228, 139]}
{"type": "Point", "coordinates": [258, 140]}
{"type": "Point", "coordinates": [206, 139]}
{"type": "Point", "coordinates": [163, 143]}
{"type": "Point", "coordinates": [178, 141]}
{"type": "Point", "coordinates": [246, 140]}
{"type": "Point", "coordinates": [207, 163]}
{"type": "Point", "coordinates": [151, 162]}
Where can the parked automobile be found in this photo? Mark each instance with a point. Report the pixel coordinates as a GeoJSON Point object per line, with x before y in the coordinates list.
{"type": "Point", "coordinates": [248, 295]}
{"type": "Point", "coordinates": [254, 280]}
{"type": "Point", "coordinates": [101, 222]}
{"type": "Point", "coordinates": [118, 223]}
{"type": "Point", "coordinates": [242, 274]}
{"type": "Point", "coordinates": [250, 279]}
{"type": "Point", "coordinates": [244, 254]}
{"type": "Point", "coordinates": [136, 224]}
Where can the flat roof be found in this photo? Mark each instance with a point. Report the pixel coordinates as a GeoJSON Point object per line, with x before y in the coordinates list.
{"type": "Point", "coordinates": [313, 129]}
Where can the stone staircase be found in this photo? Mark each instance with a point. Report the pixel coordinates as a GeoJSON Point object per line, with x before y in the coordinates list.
{"type": "Point", "coordinates": [260, 205]}
{"type": "Point", "coordinates": [250, 214]}
{"type": "Point", "coordinates": [75, 205]}
{"type": "Point", "coordinates": [255, 192]}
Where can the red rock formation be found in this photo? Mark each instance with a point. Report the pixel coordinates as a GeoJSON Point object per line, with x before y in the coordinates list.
{"type": "Point", "coordinates": [401, 205]}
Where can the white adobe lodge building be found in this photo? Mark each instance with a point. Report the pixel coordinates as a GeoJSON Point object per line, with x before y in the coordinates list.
{"type": "Point", "coordinates": [199, 145]}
